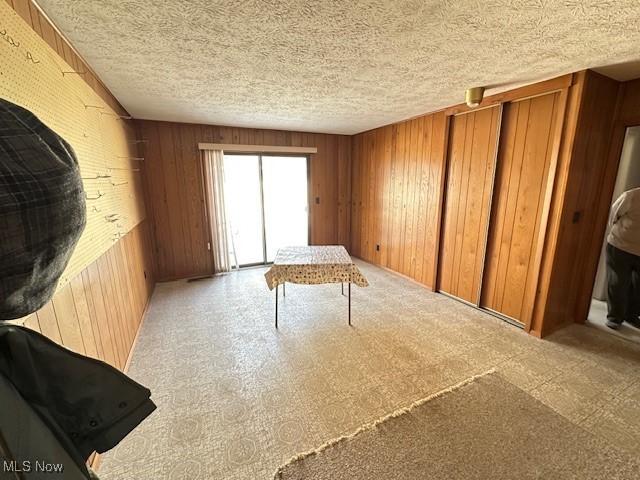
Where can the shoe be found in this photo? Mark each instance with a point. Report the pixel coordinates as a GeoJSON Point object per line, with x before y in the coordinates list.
{"type": "Point", "coordinates": [634, 322]}
{"type": "Point", "coordinates": [613, 324]}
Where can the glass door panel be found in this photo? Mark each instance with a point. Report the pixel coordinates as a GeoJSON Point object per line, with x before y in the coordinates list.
{"type": "Point", "coordinates": [244, 208]}
{"type": "Point", "coordinates": [286, 207]}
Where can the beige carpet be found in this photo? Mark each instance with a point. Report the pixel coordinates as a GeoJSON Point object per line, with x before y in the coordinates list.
{"type": "Point", "coordinates": [484, 427]}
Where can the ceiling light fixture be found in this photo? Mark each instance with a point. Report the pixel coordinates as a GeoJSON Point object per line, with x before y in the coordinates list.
{"type": "Point", "coordinates": [473, 96]}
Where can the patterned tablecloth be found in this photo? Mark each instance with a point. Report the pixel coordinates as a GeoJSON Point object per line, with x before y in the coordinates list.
{"type": "Point", "coordinates": [314, 265]}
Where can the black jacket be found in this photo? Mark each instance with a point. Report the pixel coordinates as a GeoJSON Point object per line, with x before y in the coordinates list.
{"type": "Point", "coordinates": [87, 404]}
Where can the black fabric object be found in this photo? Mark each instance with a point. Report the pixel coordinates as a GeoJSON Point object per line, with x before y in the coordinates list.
{"type": "Point", "coordinates": [623, 285]}
{"type": "Point", "coordinates": [19, 426]}
{"type": "Point", "coordinates": [86, 404]}
{"type": "Point", "coordinates": [42, 210]}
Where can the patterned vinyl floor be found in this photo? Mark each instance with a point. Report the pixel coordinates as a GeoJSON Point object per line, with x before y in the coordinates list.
{"type": "Point", "coordinates": [237, 398]}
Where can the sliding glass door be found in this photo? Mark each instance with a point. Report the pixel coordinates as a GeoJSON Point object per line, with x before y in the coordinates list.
{"type": "Point", "coordinates": [267, 207]}
{"type": "Point", "coordinates": [286, 215]}
{"type": "Point", "coordinates": [243, 200]}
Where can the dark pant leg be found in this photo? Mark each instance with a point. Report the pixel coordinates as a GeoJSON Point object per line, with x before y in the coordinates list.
{"type": "Point", "coordinates": [633, 309]}
{"type": "Point", "coordinates": [619, 273]}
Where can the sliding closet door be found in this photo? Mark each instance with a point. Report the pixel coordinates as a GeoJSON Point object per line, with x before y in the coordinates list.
{"type": "Point", "coordinates": [528, 147]}
{"type": "Point", "coordinates": [470, 171]}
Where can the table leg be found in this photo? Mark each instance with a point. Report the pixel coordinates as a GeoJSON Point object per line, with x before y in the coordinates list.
{"type": "Point", "coordinates": [349, 303]}
{"type": "Point", "coordinates": [342, 287]}
{"type": "Point", "coordinates": [276, 306]}
{"type": "Point", "coordinates": [284, 291]}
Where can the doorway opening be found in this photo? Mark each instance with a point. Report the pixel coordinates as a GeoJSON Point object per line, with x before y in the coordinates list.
{"type": "Point", "coordinates": [267, 205]}
{"type": "Point", "coordinates": [628, 178]}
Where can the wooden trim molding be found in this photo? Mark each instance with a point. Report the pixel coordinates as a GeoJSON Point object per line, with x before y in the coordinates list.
{"type": "Point", "coordinates": [572, 109]}
{"type": "Point", "coordinates": [626, 114]}
{"type": "Point", "coordinates": [230, 147]}
{"type": "Point", "coordinates": [521, 93]}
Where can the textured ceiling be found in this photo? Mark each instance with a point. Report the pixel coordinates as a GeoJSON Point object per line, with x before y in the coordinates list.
{"type": "Point", "coordinates": [339, 66]}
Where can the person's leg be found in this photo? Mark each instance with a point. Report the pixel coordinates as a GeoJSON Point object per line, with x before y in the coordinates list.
{"type": "Point", "coordinates": [619, 271]}
{"type": "Point", "coordinates": [633, 307]}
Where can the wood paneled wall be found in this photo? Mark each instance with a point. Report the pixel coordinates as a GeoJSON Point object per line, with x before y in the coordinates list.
{"type": "Point", "coordinates": [471, 161]}
{"type": "Point", "coordinates": [99, 310]}
{"type": "Point", "coordinates": [396, 199]}
{"type": "Point", "coordinates": [628, 113]}
{"type": "Point", "coordinates": [589, 164]}
{"type": "Point", "coordinates": [175, 197]}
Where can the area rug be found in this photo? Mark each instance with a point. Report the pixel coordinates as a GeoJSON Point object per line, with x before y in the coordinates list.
{"type": "Point", "coordinates": [484, 427]}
